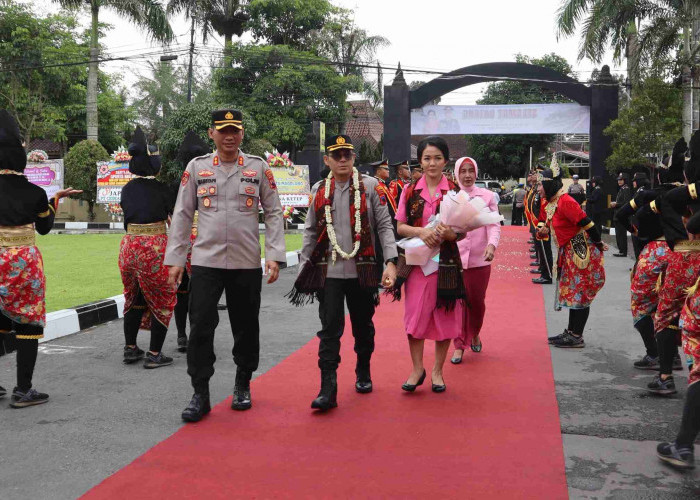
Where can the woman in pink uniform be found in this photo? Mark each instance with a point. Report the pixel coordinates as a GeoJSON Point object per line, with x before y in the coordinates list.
{"type": "Point", "coordinates": [434, 303]}
{"type": "Point", "coordinates": [477, 250]}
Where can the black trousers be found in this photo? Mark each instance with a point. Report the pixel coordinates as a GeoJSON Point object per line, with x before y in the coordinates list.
{"type": "Point", "coordinates": [331, 311]}
{"type": "Point", "coordinates": [621, 238]}
{"type": "Point", "coordinates": [242, 288]}
{"type": "Point", "coordinates": [517, 216]}
{"type": "Point", "coordinates": [544, 255]}
{"type": "Point", "coordinates": [182, 305]}
{"type": "Point", "coordinates": [598, 221]}
{"type": "Point", "coordinates": [27, 348]}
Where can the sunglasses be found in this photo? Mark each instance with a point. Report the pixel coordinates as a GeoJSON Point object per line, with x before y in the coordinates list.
{"type": "Point", "coordinates": [340, 154]}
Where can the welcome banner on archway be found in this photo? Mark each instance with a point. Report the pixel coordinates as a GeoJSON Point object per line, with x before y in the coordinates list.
{"type": "Point", "coordinates": [502, 119]}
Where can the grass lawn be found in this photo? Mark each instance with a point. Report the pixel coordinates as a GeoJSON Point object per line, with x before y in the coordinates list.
{"type": "Point", "coordinates": [82, 268]}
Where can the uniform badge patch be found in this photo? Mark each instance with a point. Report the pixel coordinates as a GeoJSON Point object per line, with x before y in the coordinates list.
{"type": "Point", "coordinates": [202, 191]}
{"type": "Point", "coordinates": [206, 202]}
{"type": "Point", "coordinates": [205, 173]}
{"type": "Point", "coordinates": [185, 178]}
{"type": "Point", "coordinates": [271, 179]}
{"type": "Point", "coordinates": [250, 173]}
{"type": "Point", "coordinates": [250, 190]}
{"type": "Point", "coordinates": [212, 189]}
{"type": "Point", "coordinates": [249, 202]}
{"type": "Point", "coordinates": [381, 194]}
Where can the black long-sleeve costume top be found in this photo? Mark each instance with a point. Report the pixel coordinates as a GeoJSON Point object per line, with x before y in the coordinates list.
{"type": "Point", "coordinates": [145, 201]}
{"type": "Point", "coordinates": [637, 216]}
{"type": "Point", "coordinates": [22, 202]}
{"type": "Point", "coordinates": [595, 201]}
{"type": "Point", "coordinates": [672, 206]}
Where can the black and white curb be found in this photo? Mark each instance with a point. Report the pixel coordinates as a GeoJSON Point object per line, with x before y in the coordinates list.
{"type": "Point", "coordinates": [69, 321]}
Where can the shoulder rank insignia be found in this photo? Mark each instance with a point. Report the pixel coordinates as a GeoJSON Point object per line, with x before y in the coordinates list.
{"type": "Point", "coordinates": [271, 179]}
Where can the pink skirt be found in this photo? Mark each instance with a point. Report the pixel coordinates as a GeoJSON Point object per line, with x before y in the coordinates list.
{"type": "Point", "coordinates": [422, 319]}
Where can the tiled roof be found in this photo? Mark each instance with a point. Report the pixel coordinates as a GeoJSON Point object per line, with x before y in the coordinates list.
{"type": "Point", "coordinates": [51, 147]}
{"type": "Point", "coordinates": [364, 123]}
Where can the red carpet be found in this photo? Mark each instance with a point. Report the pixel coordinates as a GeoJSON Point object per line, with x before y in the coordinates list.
{"type": "Point", "coordinates": [494, 434]}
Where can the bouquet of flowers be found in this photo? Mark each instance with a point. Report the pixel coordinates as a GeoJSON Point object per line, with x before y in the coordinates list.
{"type": "Point", "coordinates": [121, 155]}
{"type": "Point", "coordinates": [37, 156]}
{"type": "Point", "coordinates": [277, 159]}
{"type": "Point", "coordinates": [461, 213]}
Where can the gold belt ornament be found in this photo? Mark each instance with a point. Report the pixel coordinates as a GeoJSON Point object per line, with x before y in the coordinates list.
{"type": "Point", "coordinates": [151, 229]}
{"type": "Point", "coordinates": [687, 246]}
{"type": "Point", "coordinates": [17, 236]}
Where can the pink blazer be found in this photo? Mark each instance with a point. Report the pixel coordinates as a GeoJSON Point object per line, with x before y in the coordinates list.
{"type": "Point", "coordinates": [472, 247]}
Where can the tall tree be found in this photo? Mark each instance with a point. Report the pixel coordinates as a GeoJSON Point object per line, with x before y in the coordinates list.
{"type": "Point", "coordinates": [35, 91]}
{"type": "Point", "coordinates": [647, 128]}
{"type": "Point", "coordinates": [605, 24]}
{"type": "Point", "coordinates": [284, 88]}
{"type": "Point", "coordinates": [159, 94]}
{"type": "Point", "coordinates": [289, 22]}
{"type": "Point", "coordinates": [146, 14]}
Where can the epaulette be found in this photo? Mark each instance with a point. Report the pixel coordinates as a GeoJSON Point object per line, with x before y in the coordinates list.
{"type": "Point", "coordinates": [200, 157]}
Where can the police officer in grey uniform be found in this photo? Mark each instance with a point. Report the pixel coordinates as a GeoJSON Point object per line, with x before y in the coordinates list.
{"type": "Point", "coordinates": [225, 188]}
{"type": "Point", "coordinates": [341, 273]}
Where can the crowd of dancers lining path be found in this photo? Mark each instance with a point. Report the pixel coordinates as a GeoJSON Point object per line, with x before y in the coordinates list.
{"type": "Point", "coordinates": [349, 256]}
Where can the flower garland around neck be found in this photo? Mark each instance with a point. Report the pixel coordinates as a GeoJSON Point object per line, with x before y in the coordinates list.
{"type": "Point", "coordinates": [358, 221]}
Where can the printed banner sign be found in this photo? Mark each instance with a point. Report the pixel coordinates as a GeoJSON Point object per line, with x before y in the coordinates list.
{"type": "Point", "coordinates": [501, 119]}
{"type": "Point", "coordinates": [111, 178]}
{"type": "Point", "coordinates": [293, 185]}
{"type": "Point", "coordinates": [47, 174]}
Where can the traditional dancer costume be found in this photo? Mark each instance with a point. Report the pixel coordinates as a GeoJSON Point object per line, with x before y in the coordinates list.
{"type": "Point", "coordinates": [579, 268]}
{"type": "Point", "coordinates": [24, 208]}
{"type": "Point", "coordinates": [192, 147]}
{"type": "Point", "coordinates": [330, 272]}
{"type": "Point", "coordinates": [648, 271]}
{"type": "Point", "coordinates": [146, 203]}
{"type": "Point", "coordinates": [680, 453]}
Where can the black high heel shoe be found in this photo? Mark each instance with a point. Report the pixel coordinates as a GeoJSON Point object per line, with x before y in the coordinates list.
{"type": "Point", "coordinates": [439, 388]}
{"type": "Point", "coordinates": [412, 387]}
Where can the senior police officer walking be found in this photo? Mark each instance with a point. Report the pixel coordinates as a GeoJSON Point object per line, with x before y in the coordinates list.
{"type": "Point", "coordinates": [225, 187]}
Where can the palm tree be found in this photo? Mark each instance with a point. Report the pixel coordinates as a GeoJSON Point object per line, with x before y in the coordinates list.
{"type": "Point", "coordinates": [159, 94]}
{"type": "Point", "coordinates": [147, 14]}
{"type": "Point", "coordinates": [604, 24]}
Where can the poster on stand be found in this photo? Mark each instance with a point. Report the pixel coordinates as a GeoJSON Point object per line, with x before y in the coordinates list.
{"type": "Point", "coordinates": [47, 174]}
{"type": "Point", "coordinates": [293, 185]}
{"type": "Point", "coordinates": [112, 176]}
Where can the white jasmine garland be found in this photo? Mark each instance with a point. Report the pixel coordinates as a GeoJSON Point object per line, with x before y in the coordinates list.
{"type": "Point", "coordinates": [329, 219]}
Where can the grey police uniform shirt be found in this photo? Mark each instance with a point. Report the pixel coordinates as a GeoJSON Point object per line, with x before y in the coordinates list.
{"type": "Point", "coordinates": [227, 201]}
{"type": "Point", "coordinates": [379, 221]}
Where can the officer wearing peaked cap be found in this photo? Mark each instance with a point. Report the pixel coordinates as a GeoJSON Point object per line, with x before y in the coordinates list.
{"type": "Point", "coordinates": [346, 227]}
{"type": "Point", "coordinates": [225, 187]}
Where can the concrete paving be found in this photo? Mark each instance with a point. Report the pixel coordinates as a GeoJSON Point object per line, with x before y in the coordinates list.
{"type": "Point", "coordinates": [103, 415]}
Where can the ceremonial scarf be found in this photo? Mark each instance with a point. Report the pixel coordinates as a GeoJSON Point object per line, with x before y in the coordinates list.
{"type": "Point", "coordinates": [450, 283]}
{"type": "Point", "coordinates": [312, 277]}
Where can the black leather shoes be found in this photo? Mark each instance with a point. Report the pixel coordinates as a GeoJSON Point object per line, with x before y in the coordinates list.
{"type": "Point", "coordinates": [329, 390]}
{"type": "Point", "coordinates": [3, 391]}
{"type": "Point", "coordinates": [241, 391]}
{"type": "Point", "coordinates": [182, 344]}
{"type": "Point", "coordinates": [542, 281]}
{"type": "Point", "coordinates": [363, 382]}
{"type": "Point", "coordinates": [412, 387]}
{"type": "Point", "coordinates": [535, 271]}
{"type": "Point", "coordinates": [533, 255]}
{"type": "Point", "coordinates": [619, 255]}
{"type": "Point", "coordinates": [534, 263]}
{"type": "Point", "coordinates": [198, 407]}
{"type": "Point", "coordinates": [363, 386]}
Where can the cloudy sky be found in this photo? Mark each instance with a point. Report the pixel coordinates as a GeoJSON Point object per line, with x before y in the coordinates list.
{"type": "Point", "coordinates": [437, 35]}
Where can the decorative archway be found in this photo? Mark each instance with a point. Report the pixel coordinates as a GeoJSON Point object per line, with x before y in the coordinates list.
{"type": "Point", "coordinates": [601, 96]}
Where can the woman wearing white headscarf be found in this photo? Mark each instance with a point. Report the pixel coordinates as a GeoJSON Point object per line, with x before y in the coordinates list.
{"type": "Point", "coordinates": [477, 250]}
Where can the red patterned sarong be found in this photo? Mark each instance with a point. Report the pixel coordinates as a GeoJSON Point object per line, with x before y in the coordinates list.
{"type": "Point", "coordinates": [681, 274]}
{"type": "Point", "coordinates": [145, 277]}
{"type": "Point", "coordinates": [690, 326]}
{"type": "Point", "coordinates": [23, 286]}
{"type": "Point", "coordinates": [647, 275]}
{"type": "Point", "coordinates": [578, 287]}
